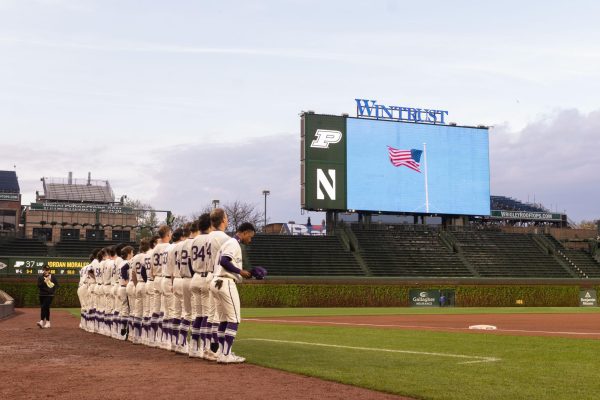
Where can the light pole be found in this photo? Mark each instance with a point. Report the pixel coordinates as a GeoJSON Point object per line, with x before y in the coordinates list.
{"type": "Point", "coordinates": [215, 203]}
{"type": "Point", "coordinates": [266, 193]}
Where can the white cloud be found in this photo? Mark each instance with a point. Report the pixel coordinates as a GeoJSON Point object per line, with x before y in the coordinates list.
{"type": "Point", "coordinates": [191, 176]}
{"type": "Point", "coordinates": [555, 159]}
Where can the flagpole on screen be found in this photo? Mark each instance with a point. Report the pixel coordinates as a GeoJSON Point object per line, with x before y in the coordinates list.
{"type": "Point", "coordinates": [426, 187]}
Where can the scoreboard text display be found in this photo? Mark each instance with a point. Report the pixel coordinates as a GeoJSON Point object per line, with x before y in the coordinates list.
{"type": "Point", "coordinates": [32, 266]}
{"type": "Point", "coordinates": [374, 165]}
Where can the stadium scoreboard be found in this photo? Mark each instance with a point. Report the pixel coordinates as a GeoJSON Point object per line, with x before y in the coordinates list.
{"type": "Point", "coordinates": [393, 166]}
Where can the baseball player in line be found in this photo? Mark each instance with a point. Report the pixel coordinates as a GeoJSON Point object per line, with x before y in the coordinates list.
{"type": "Point", "coordinates": [116, 276]}
{"type": "Point", "coordinates": [99, 291]}
{"type": "Point", "coordinates": [159, 261]}
{"type": "Point", "coordinates": [108, 266]}
{"type": "Point", "coordinates": [169, 323]}
{"type": "Point", "coordinates": [139, 266]}
{"type": "Point", "coordinates": [93, 307]}
{"type": "Point", "coordinates": [200, 253]}
{"type": "Point", "coordinates": [181, 289]}
{"type": "Point", "coordinates": [83, 294]}
{"type": "Point", "coordinates": [148, 299]}
{"type": "Point", "coordinates": [227, 273]}
{"type": "Point", "coordinates": [129, 268]}
{"type": "Point", "coordinates": [217, 238]}
{"type": "Point", "coordinates": [122, 298]}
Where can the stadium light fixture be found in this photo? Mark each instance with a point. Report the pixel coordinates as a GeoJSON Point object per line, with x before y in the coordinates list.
{"type": "Point", "coordinates": [265, 193]}
{"type": "Point", "coordinates": [215, 203]}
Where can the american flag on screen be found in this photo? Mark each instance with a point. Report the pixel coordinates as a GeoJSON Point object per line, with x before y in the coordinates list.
{"type": "Point", "coordinates": [408, 158]}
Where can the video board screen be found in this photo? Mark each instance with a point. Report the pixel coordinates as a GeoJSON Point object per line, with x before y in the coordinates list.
{"type": "Point", "coordinates": [361, 164]}
{"type": "Point", "coordinates": [417, 168]}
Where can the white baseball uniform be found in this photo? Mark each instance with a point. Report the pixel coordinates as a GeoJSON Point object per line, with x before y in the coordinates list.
{"type": "Point", "coordinates": [116, 304]}
{"type": "Point", "coordinates": [130, 290]}
{"type": "Point", "coordinates": [203, 305]}
{"type": "Point", "coordinates": [139, 266]}
{"type": "Point", "coordinates": [227, 298]}
{"type": "Point", "coordinates": [169, 297]}
{"type": "Point", "coordinates": [82, 293]}
{"type": "Point", "coordinates": [181, 290]}
{"type": "Point", "coordinates": [159, 258]}
{"type": "Point", "coordinates": [109, 302]}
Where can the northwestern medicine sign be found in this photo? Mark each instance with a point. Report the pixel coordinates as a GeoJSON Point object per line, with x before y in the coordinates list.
{"type": "Point", "coordinates": [370, 109]}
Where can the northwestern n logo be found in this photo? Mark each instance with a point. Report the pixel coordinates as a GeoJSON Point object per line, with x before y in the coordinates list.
{"type": "Point", "coordinates": [325, 185]}
{"type": "Point", "coordinates": [324, 137]}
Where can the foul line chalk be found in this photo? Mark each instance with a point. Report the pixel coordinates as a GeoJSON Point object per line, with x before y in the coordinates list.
{"type": "Point", "coordinates": [438, 328]}
{"type": "Point", "coordinates": [474, 359]}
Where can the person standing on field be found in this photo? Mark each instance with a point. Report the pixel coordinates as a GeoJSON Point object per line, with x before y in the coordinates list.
{"type": "Point", "coordinates": [47, 285]}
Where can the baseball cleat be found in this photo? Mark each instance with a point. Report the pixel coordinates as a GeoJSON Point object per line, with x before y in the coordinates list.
{"type": "Point", "coordinates": [195, 354]}
{"type": "Point", "coordinates": [47, 324]}
{"type": "Point", "coordinates": [40, 324]}
{"type": "Point", "coordinates": [209, 355]}
{"type": "Point", "coordinates": [181, 349]}
{"type": "Point", "coordinates": [231, 358]}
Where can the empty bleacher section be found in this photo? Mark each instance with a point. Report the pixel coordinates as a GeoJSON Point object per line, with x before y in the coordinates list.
{"type": "Point", "coordinates": [82, 248]}
{"type": "Point", "coordinates": [284, 255]}
{"type": "Point", "coordinates": [394, 252]}
{"type": "Point", "coordinates": [19, 247]}
{"type": "Point", "coordinates": [579, 260]}
{"type": "Point", "coordinates": [510, 204]}
{"type": "Point", "coordinates": [499, 254]}
{"type": "Point", "coordinates": [584, 262]}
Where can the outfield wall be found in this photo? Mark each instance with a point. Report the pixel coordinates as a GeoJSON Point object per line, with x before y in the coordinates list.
{"type": "Point", "coordinates": [355, 293]}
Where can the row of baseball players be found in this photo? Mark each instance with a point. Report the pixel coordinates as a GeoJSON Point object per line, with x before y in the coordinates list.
{"type": "Point", "coordinates": [179, 292]}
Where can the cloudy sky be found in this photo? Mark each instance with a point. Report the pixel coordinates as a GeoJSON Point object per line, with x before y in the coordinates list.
{"type": "Point", "coordinates": [181, 102]}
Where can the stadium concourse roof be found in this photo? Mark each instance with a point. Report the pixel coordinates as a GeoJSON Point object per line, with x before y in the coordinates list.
{"type": "Point", "coordinates": [9, 182]}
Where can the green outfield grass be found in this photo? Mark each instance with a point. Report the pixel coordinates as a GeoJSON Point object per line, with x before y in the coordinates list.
{"type": "Point", "coordinates": [425, 364]}
{"type": "Point", "coordinates": [312, 312]}
{"type": "Point", "coordinates": [315, 312]}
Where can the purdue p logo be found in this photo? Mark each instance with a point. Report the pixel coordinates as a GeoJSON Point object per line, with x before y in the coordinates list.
{"type": "Point", "coordinates": [323, 137]}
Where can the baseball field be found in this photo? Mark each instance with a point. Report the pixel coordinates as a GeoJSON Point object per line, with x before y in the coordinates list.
{"type": "Point", "coordinates": [535, 353]}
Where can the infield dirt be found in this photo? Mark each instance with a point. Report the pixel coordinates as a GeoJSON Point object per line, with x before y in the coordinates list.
{"type": "Point", "coordinates": [67, 363]}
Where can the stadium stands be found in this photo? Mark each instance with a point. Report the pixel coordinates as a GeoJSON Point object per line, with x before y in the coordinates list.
{"type": "Point", "coordinates": [20, 247]}
{"type": "Point", "coordinates": [83, 248]}
{"type": "Point", "coordinates": [382, 251]}
{"type": "Point", "coordinates": [579, 260]}
{"type": "Point", "coordinates": [408, 253]}
{"type": "Point", "coordinates": [499, 254]}
{"type": "Point", "coordinates": [510, 204]}
{"type": "Point", "coordinates": [284, 255]}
